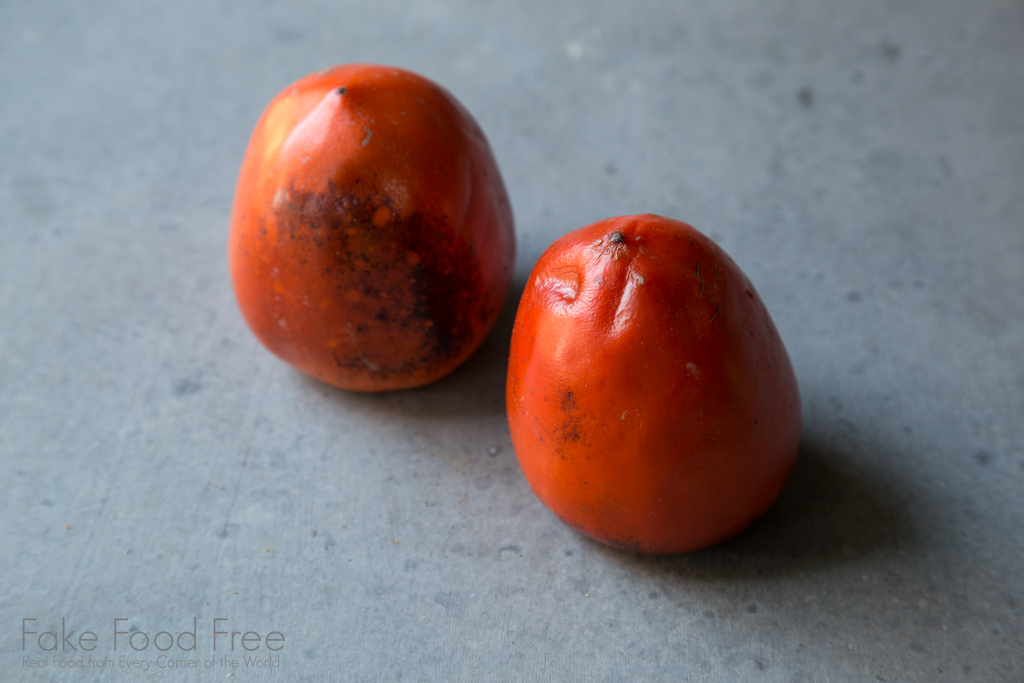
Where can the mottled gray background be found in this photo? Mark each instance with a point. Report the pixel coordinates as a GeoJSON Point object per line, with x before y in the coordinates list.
{"type": "Point", "coordinates": [863, 162]}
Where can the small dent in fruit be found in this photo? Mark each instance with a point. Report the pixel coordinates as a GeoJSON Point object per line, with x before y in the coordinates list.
{"type": "Point", "coordinates": [565, 282]}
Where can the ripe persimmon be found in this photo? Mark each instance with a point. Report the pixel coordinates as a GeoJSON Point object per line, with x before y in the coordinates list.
{"type": "Point", "coordinates": [651, 401]}
{"type": "Point", "coordinates": [371, 241]}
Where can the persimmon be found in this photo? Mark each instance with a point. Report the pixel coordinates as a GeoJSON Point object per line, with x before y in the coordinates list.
{"type": "Point", "coordinates": [371, 242]}
{"type": "Point", "coordinates": [650, 398]}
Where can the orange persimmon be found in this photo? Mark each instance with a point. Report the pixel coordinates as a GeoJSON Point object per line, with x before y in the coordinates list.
{"type": "Point", "coordinates": [371, 242]}
{"type": "Point", "coordinates": [651, 401]}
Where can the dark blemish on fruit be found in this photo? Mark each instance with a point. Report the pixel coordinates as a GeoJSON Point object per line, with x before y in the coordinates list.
{"type": "Point", "coordinates": [628, 543]}
{"type": "Point", "coordinates": [569, 431]}
{"type": "Point", "coordinates": [341, 91]}
{"type": "Point", "coordinates": [616, 238]}
{"type": "Point", "coordinates": [433, 301]}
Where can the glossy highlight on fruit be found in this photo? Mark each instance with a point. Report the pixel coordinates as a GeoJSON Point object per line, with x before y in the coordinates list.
{"type": "Point", "coordinates": [651, 401]}
{"type": "Point", "coordinates": [371, 242]}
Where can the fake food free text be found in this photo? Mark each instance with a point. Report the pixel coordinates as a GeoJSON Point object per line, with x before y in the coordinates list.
{"type": "Point", "coordinates": [221, 637]}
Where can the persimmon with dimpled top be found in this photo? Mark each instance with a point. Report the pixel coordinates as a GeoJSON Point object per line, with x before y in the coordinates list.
{"type": "Point", "coordinates": [650, 398]}
{"type": "Point", "coordinates": [371, 242]}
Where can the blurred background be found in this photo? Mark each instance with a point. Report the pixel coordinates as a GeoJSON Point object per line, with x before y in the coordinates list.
{"type": "Point", "coordinates": [862, 162]}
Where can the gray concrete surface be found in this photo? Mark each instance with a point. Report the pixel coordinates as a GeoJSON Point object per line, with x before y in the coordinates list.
{"type": "Point", "coordinates": [863, 162]}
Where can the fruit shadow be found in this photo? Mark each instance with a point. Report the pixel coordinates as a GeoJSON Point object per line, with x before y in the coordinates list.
{"type": "Point", "coordinates": [836, 507]}
{"type": "Point", "coordinates": [839, 504]}
{"type": "Point", "coordinates": [477, 387]}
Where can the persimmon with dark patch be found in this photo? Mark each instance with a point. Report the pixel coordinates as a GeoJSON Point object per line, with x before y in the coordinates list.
{"type": "Point", "coordinates": [650, 398]}
{"type": "Point", "coordinates": [371, 241]}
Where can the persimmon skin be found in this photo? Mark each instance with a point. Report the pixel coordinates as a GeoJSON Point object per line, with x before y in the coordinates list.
{"type": "Point", "coordinates": [371, 242]}
{"type": "Point", "coordinates": [651, 401]}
